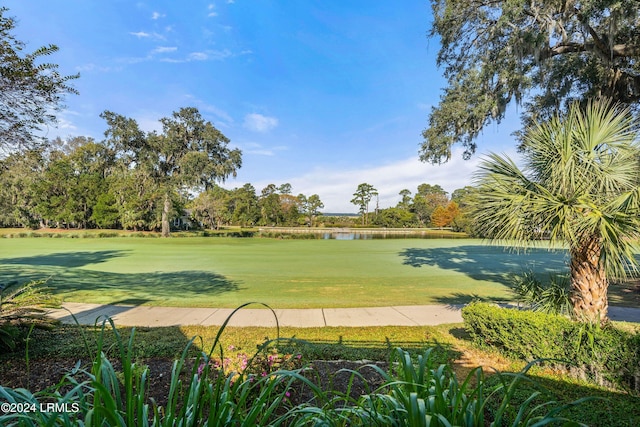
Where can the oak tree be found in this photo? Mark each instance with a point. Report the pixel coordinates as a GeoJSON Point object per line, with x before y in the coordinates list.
{"type": "Point", "coordinates": [542, 54]}
{"type": "Point", "coordinates": [31, 90]}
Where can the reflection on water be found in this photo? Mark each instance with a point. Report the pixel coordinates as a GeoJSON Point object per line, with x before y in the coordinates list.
{"type": "Point", "coordinates": [347, 234]}
{"type": "Point", "coordinates": [383, 235]}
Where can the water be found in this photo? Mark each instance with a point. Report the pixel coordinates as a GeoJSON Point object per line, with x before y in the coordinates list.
{"type": "Point", "coordinates": [386, 235]}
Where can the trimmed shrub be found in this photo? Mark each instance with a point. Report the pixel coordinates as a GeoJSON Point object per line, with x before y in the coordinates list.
{"type": "Point", "coordinates": [604, 355]}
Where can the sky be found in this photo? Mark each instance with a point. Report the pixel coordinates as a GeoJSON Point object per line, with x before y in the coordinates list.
{"type": "Point", "coordinates": [323, 95]}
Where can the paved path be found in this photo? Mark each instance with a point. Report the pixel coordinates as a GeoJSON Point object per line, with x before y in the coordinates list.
{"type": "Point", "coordinates": [129, 315]}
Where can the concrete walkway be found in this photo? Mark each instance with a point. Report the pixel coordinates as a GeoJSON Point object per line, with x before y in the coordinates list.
{"type": "Point", "coordinates": [129, 315]}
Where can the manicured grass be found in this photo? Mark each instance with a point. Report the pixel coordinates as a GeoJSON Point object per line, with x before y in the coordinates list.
{"type": "Point", "coordinates": [227, 272]}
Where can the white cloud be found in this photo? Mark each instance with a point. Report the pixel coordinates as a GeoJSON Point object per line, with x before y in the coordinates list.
{"type": "Point", "coordinates": [145, 35]}
{"type": "Point", "coordinates": [212, 11]}
{"type": "Point", "coordinates": [213, 55]}
{"type": "Point", "coordinates": [258, 150]}
{"type": "Point", "coordinates": [164, 49]}
{"type": "Point", "coordinates": [157, 15]}
{"type": "Point", "coordinates": [205, 107]}
{"type": "Point", "coordinates": [149, 122]}
{"type": "Point", "coordinates": [259, 123]}
{"type": "Point", "coordinates": [198, 56]}
{"type": "Point", "coordinates": [336, 186]}
{"type": "Point", "coordinates": [140, 34]}
{"type": "Point", "coordinates": [65, 124]}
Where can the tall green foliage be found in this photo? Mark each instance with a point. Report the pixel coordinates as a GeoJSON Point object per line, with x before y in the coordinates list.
{"type": "Point", "coordinates": [31, 91]}
{"type": "Point", "coordinates": [362, 197]}
{"type": "Point", "coordinates": [579, 186]}
{"type": "Point", "coordinates": [543, 54]}
{"type": "Point", "coordinates": [190, 153]}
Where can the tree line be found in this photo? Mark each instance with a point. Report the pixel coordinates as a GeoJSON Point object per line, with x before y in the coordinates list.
{"type": "Point", "coordinates": [153, 181]}
{"type": "Point", "coordinates": [430, 206]}
{"type": "Point", "coordinates": [141, 182]}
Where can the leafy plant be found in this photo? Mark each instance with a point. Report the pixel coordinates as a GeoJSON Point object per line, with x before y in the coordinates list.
{"type": "Point", "coordinates": [418, 391]}
{"type": "Point", "coordinates": [426, 393]}
{"type": "Point", "coordinates": [23, 304]}
{"type": "Point", "coordinates": [549, 297]}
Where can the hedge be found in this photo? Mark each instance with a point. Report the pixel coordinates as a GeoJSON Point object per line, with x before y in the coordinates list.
{"type": "Point", "coordinates": [605, 355]}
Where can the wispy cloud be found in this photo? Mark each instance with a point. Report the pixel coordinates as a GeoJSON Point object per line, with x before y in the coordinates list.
{"type": "Point", "coordinates": [157, 15]}
{"type": "Point", "coordinates": [211, 9]}
{"type": "Point", "coordinates": [198, 56]}
{"type": "Point", "coordinates": [145, 35]}
{"type": "Point", "coordinates": [259, 150]}
{"type": "Point", "coordinates": [207, 55]}
{"type": "Point", "coordinates": [336, 186]}
{"type": "Point", "coordinates": [140, 34]}
{"type": "Point", "coordinates": [205, 107]}
{"type": "Point", "coordinates": [164, 49]}
{"type": "Point", "coordinates": [259, 123]}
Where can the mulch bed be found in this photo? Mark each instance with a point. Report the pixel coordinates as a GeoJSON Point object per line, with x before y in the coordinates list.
{"type": "Point", "coordinates": [329, 375]}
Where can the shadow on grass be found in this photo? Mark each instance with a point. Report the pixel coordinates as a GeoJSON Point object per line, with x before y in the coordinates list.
{"type": "Point", "coordinates": [604, 407]}
{"type": "Point", "coordinates": [357, 350]}
{"type": "Point", "coordinates": [65, 275]}
{"type": "Point", "coordinates": [67, 259]}
{"type": "Point", "coordinates": [483, 262]}
{"type": "Point", "coordinates": [601, 407]}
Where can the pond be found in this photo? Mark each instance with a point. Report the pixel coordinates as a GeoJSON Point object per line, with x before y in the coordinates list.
{"type": "Point", "coordinates": [358, 235]}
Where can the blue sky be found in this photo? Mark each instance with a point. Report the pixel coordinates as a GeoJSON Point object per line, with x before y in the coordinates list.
{"type": "Point", "coordinates": [323, 95]}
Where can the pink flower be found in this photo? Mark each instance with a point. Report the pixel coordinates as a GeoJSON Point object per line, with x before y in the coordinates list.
{"type": "Point", "coordinates": [201, 368]}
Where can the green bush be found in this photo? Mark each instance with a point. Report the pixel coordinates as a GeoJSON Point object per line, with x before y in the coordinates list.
{"type": "Point", "coordinates": [605, 355]}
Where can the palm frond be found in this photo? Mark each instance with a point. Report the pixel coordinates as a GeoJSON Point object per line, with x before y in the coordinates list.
{"type": "Point", "coordinates": [580, 181]}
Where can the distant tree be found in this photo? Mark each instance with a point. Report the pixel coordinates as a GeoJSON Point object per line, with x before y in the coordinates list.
{"type": "Point", "coordinates": [405, 203]}
{"type": "Point", "coordinates": [311, 207]}
{"type": "Point", "coordinates": [244, 205]}
{"type": "Point", "coordinates": [426, 200]}
{"type": "Point", "coordinates": [467, 201]}
{"type": "Point", "coordinates": [56, 192]}
{"type": "Point", "coordinates": [285, 188]}
{"type": "Point", "coordinates": [543, 54]}
{"type": "Point", "coordinates": [105, 213]}
{"type": "Point", "coordinates": [270, 207]}
{"type": "Point", "coordinates": [394, 218]}
{"type": "Point", "coordinates": [362, 198]}
{"type": "Point", "coordinates": [31, 91]}
{"type": "Point", "coordinates": [443, 216]}
{"type": "Point", "coordinates": [190, 153]}
{"type": "Point", "coordinates": [19, 172]}
{"type": "Point", "coordinates": [138, 197]}
{"type": "Point", "coordinates": [211, 207]}
{"type": "Point", "coordinates": [290, 208]}
{"type": "Point", "coordinates": [579, 187]}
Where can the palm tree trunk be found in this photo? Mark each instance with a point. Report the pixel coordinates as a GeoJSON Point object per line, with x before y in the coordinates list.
{"type": "Point", "coordinates": [165, 216]}
{"type": "Point", "coordinates": [588, 282]}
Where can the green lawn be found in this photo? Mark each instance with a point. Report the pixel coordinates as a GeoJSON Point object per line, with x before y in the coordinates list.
{"type": "Point", "coordinates": [226, 272]}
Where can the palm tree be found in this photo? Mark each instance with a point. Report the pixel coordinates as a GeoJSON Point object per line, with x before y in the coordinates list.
{"type": "Point", "coordinates": [579, 186]}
